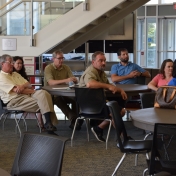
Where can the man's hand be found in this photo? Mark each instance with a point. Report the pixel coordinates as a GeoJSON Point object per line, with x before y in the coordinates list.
{"type": "Point", "coordinates": [115, 89]}
{"type": "Point", "coordinates": [134, 74]}
{"type": "Point", "coordinates": [19, 89]}
{"type": "Point", "coordinates": [124, 95]}
{"type": "Point", "coordinates": [72, 79]}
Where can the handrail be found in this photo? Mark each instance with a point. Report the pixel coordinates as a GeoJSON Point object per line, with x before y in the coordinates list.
{"type": "Point", "coordinates": [11, 8]}
{"type": "Point", "coordinates": [6, 4]}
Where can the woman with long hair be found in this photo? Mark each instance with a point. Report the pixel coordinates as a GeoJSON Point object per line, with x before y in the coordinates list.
{"type": "Point", "coordinates": [164, 76]}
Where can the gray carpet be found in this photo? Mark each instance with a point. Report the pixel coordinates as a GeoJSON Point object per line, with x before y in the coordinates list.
{"type": "Point", "coordinates": [84, 158]}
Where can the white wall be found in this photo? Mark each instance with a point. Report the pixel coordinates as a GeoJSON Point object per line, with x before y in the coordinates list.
{"type": "Point", "coordinates": [128, 31]}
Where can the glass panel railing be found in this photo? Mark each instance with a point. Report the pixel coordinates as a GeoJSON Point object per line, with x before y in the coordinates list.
{"type": "Point", "coordinates": [8, 5]}
{"type": "Point", "coordinates": [17, 21]}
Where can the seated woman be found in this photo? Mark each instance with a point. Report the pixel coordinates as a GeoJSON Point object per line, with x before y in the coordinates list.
{"type": "Point", "coordinates": [173, 80]}
{"type": "Point", "coordinates": [19, 67]}
{"type": "Point", "coordinates": [164, 76]}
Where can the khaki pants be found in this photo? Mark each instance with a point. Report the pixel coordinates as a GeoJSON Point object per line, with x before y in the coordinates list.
{"type": "Point", "coordinates": [39, 101]}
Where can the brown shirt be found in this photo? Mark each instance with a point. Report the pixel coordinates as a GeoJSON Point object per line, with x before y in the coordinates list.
{"type": "Point", "coordinates": [52, 73]}
{"type": "Point", "coordinates": [92, 74]}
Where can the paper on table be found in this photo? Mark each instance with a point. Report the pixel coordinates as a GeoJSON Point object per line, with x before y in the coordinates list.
{"type": "Point", "coordinates": [60, 87]}
{"type": "Point", "coordinates": [74, 85]}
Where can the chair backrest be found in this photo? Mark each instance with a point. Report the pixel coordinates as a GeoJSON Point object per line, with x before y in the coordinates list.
{"type": "Point", "coordinates": [90, 101]}
{"type": "Point", "coordinates": [118, 122]}
{"type": "Point", "coordinates": [163, 147]}
{"type": "Point", "coordinates": [38, 155]}
{"type": "Point", "coordinates": [141, 80]}
{"type": "Point", "coordinates": [147, 99]}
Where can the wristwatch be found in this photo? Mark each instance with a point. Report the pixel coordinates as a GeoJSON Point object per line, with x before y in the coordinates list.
{"type": "Point", "coordinates": [141, 74]}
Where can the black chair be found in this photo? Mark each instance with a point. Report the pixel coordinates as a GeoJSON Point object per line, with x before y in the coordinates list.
{"type": "Point", "coordinates": [147, 99]}
{"type": "Point", "coordinates": [91, 104]}
{"type": "Point", "coordinates": [163, 157]}
{"type": "Point", "coordinates": [6, 112]}
{"type": "Point", "coordinates": [39, 155]}
{"type": "Point", "coordinates": [126, 145]}
{"type": "Point", "coordinates": [134, 102]}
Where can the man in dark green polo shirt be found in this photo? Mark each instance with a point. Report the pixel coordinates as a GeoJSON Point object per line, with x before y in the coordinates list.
{"type": "Point", "coordinates": [59, 73]}
{"type": "Point", "coordinates": [95, 77]}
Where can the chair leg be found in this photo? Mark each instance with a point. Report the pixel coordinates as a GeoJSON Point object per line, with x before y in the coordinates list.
{"type": "Point", "coordinates": [65, 118]}
{"type": "Point", "coordinates": [6, 115]}
{"type": "Point", "coordinates": [87, 127]}
{"type": "Point", "coordinates": [73, 132]}
{"type": "Point", "coordinates": [148, 134]}
{"type": "Point", "coordinates": [118, 165]}
{"type": "Point", "coordinates": [144, 172]}
{"type": "Point", "coordinates": [17, 124]}
{"type": "Point", "coordinates": [136, 159]}
{"type": "Point", "coordinates": [110, 123]}
{"type": "Point", "coordinates": [24, 121]}
{"type": "Point", "coordinates": [2, 115]}
{"type": "Point", "coordinates": [38, 122]}
{"type": "Point", "coordinates": [18, 121]}
{"type": "Point", "coordinates": [147, 156]}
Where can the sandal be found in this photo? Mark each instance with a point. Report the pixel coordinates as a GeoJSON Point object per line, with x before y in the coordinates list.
{"type": "Point", "coordinates": [50, 127]}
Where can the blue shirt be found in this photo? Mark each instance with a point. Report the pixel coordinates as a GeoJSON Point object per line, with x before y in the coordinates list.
{"type": "Point", "coordinates": [122, 70]}
{"type": "Point", "coordinates": [172, 82]}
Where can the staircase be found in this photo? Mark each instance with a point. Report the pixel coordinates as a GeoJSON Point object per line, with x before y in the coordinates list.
{"type": "Point", "coordinates": [75, 27]}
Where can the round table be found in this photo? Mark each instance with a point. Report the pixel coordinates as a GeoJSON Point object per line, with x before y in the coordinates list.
{"type": "Point", "coordinates": [64, 90]}
{"type": "Point", "coordinates": [146, 118]}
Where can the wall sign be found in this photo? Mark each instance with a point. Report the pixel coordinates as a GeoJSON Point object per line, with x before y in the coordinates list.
{"type": "Point", "coordinates": [9, 44]}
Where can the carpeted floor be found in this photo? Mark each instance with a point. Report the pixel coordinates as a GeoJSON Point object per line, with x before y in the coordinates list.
{"type": "Point", "coordinates": [84, 158]}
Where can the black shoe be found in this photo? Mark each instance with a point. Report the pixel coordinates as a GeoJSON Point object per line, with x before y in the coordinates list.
{"type": "Point", "coordinates": [50, 127]}
{"type": "Point", "coordinates": [98, 134]}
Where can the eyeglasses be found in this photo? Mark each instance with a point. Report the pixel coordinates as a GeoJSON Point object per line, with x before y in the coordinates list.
{"type": "Point", "coordinates": [60, 58]}
{"type": "Point", "coordinates": [11, 63]}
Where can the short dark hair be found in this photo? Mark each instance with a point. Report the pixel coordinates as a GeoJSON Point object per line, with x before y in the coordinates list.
{"type": "Point", "coordinates": [120, 50]}
{"type": "Point", "coordinates": [94, 55]}
{"type": "Point", "coordinates": [55, 53]}
{"type": "Point", "coordinates": [174, 69]}
{"type": "Point", "coordinates": [161, 71]}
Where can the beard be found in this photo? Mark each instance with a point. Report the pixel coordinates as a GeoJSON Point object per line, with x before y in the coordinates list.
{"type": "Point", "coordinates": [102, 68]}
{"type": "Point", "coordinates": [124, 60]}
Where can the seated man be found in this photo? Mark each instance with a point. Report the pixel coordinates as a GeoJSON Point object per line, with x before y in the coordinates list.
{"type": "Point", "coordinates": [126, 72]}
{"type": "Point", "coordinates": [95, 77]}
{"type": "Point", "coordinates": [59, 73]}
{"type": "Point", "coordinates": [16, 93]}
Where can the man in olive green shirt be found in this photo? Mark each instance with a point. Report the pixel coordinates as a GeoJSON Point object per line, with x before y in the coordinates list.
{"type": "Point", "coordinates": [59, 73]}
{"type": "Point", "coordinates": [95, 77]}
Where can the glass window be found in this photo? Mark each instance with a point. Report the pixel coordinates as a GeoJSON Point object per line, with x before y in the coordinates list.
{"type": "Point", "coordinates": [141, 42]}
{"type": "Point", "coordinates": [167, 43]}
{"type": "Point", "coordinates": [152, 2]}
{"type": "Point", "coordinates": [151, 43]}
{"type": "Point", "coordinates": [166, 1]}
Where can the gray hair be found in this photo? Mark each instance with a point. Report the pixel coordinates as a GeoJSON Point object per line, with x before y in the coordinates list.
{"type": "Point", "coordinates": [94, 55]}
{"type": "Point", "coordinates": [3, 58]}
{"type": "Point", "coordinates": [55, 53]}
